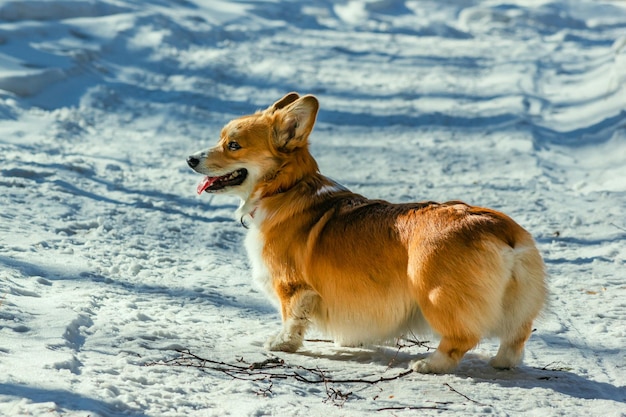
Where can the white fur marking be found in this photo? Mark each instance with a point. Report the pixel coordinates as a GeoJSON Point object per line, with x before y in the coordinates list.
{"type": "Point", "coordinates": [254, 246]}
{"type": "Point", "coordinates": [330, 188]}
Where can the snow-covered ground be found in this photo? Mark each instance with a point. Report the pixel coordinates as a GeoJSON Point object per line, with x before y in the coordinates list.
{"type": "Point", "coordinates": [110, 262]}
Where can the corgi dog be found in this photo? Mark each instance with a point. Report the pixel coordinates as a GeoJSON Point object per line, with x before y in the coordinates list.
{"type": "Point", "coordinates": [367, 271]}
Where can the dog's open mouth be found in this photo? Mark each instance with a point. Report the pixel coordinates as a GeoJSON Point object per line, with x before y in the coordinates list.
{"type": "Point", "coordinates": [213, 184]}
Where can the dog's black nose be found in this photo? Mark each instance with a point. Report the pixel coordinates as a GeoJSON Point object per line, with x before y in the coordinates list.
{"type": "Point", "coordinates": [193, 162]}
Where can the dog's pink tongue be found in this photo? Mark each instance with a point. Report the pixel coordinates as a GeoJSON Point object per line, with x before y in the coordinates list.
{"type": "Point", "coordinates": [206, 183]}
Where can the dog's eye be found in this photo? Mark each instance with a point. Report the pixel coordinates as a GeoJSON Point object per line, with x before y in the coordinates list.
{"type": "Point", "coordinates": [233, 146]}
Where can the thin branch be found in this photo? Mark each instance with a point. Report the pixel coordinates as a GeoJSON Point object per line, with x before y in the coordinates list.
{"type": "Point", "coordinates": [267, 391]}
{"type": "Point", "coordinates": [465, 396]}
{"type": "Point", "coordinates": [302, 378]}
{"type": "Point", "coordinates": [273, 369]}
{"type": "Point", "coordinates": [407, 343]}
{"type": "Point", "coordinates": [274, 362]}
{"type": "Point", "coordinates": [374, 381]}
{"type": "Point", "coordinates": [413, 343]}
{"type": "Point", "coordinates": [337, 397]}
{"type": "Point", "coordinates": [414, 407]}
{"type": "Point", "coordinates": [619, 227]}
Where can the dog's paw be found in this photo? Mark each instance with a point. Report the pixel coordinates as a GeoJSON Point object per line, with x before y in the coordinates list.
{"type": "Point", "coordinates": [282, 343]}
{"type": "Point", "coordinates": [436, 363]}
{"type": "Point", "coordinates": [422, 366]}
{"type": "Point", "coordinates": [503, 362]}
{"type": "Point", "coordinates": [506, 358]}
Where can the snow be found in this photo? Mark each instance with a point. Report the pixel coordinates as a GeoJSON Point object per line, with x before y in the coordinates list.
{"type": "Point", "coordinates": [109, 261]}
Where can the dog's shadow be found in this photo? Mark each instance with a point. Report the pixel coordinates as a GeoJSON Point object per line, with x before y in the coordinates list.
{"type": "Point", "coordinates": [388, 356]}
{"type": "Point", "coordinates": [563, 381]}
{"type": "Point", "coordinates": [475, 366]}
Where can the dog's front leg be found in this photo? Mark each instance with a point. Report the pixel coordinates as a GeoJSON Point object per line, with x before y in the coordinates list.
{"type": "Point", "coordinates": [297, 307]}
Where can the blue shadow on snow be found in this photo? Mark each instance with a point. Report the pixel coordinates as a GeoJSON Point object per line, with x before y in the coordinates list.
{"type": "Point", "coordinates": [68, 400]}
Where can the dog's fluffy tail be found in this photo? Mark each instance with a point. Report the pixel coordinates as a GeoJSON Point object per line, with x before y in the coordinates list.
{"type": "Point", "coordinates": [524, 298]}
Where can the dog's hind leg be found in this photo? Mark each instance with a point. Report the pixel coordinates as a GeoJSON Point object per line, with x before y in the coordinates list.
{"type": "Point", "coordinates": [511, 351]}
{"type": "Point", "coordinates": [296, 310]}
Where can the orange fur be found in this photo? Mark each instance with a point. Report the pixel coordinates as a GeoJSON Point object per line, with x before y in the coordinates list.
{"type": "Point", "coordinates": [366, 271]}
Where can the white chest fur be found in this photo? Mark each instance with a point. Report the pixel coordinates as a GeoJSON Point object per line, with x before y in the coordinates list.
{"type": "Point", "coordinates": [254, 246]}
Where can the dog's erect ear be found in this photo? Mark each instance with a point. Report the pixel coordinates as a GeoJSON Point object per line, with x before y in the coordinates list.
{"type": "Point", "coordinates": [283, 102]}
{"type": "Point", "coordinates": [294, 123]}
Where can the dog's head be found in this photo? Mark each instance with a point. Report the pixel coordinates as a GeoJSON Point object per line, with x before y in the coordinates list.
{"type": "Point", "coordinates": [256, 149]}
